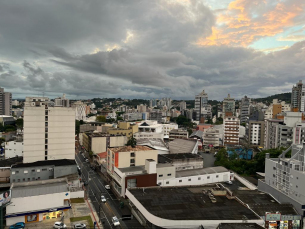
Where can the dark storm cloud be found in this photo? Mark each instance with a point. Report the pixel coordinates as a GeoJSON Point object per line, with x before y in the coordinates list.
{"type": "Point", "coordinates": [131, 49]}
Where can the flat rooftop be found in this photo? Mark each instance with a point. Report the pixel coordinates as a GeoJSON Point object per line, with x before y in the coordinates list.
{"type": "Point", "coordinates": [132, 169]}
{"type": "Point", "coordinates": [61, 162]}
{"type": "Point", "coordinates": [39, 189]}
{"type": "Point", "coordinates": [11, 161]}
{"type": "Point", "coordinates": [195, 172]}
{"type": "Point", "coordinates": [130, 149]}
{"type": "Point", "coordinates": [261, 202]}
{"type": "Point", "coordinates": [190, 203]}
{"type": "Point", "coordinates": [167, 158]}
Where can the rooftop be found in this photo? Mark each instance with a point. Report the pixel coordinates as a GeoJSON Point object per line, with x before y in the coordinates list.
{"type": "Point", "coordinates": [195, 172]}
{"type": "Point", "coordinates": [197, 133]}
{"type": "Point", "coordinates": [239, 226]}
{"type": "Point", "coordinates": [189, 203]}
{"type": "Point", "coordinates": [11, 161]}
{"type": "Point", "coordinates": [261, 202]}
{"type": "Point", "coordinates": [129, 148]}
{"type": "Point", "coordinates": [26, 190]}
{"type": "Point", "coordinates": [153, 143]}
{"type": "Point", "coordinates": [132, 169]}
{"type": "Point", "coordinates": [61, 162]}
{"type": "Point", "coordinates": [168, 158]}
{"type": "Point", "coordinates": [182, 145]}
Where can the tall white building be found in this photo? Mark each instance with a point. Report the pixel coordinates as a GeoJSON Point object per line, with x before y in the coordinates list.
{"type": "Point", "coordinates": [182, 106]}
{"type": "Point", "coordinates": [202, 108]}
{"type": "Point", "coordinates": [49, 132]}
{"type": "Point", "coordinates": [80, 110]}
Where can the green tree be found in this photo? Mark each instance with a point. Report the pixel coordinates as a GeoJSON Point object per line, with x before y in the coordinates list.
{"type": "Point", "coordinates": [181, 120]}
{"type": "Point", "coordinates": [101, 118]}
{"type": "Point", "coordinates": [19, 123]}
{"type": "Point", "coordinates": [77, 127]}
{"type": "Point", "coordinates": [132, 142]}
{"type": "Point", "coordinates": [2, 140]}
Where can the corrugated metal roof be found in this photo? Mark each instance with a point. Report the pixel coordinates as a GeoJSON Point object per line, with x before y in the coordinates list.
{"type": "Point", "coordinates": [182, 145]}
{"type": "Point", "coordinates": [42, 189]}
{"type": "Point", "coordinates": [195, 172]}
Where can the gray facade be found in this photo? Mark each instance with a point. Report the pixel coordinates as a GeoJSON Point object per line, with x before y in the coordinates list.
{"type": "Point", "coordinates": [245, 109]}
{"type": "Point", "coordinates": [25, 172]}
{"type": "Point", "coordinates": [5, 102]}
{"type": "Point", "coordinates": [156, 115]}
{"type": "Point", "coordinates": [202, 109]}
{"type": "Point", "coordinates": [296, 96]}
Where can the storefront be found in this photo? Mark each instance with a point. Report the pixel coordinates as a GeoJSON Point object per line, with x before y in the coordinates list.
{"type": "Point", "coordinates": [278, 221]}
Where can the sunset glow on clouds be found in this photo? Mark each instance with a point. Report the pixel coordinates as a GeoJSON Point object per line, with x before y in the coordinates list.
{"type": "Point", "coordinates": [244, 22]}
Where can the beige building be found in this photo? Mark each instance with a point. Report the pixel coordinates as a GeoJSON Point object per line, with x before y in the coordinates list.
{"type": "Point", "coordinates": [231, 130]}
{"type": "Point", "coordinates": [124, 128]}
{"type": "Point", "coordinates": [99, 142]}
{"type": "Point", "coordinates": [49, 132]}
{"type": "Point", "coordinates": [127, 156]}
{"type": "Point", "coordinates": [211, 137]}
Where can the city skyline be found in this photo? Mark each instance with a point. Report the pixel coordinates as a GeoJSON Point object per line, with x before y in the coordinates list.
{"type": "Point", "coordinates": [151, 49]}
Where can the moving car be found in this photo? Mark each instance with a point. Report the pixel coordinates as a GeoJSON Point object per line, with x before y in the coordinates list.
{"type": "Point", "coordinates": [103, 199]}
{"type": "Point", "coordinates": [17, 225]}
{"type": "Point", "coordinates": [115, 221]}
{"type": "Point", "coordinates": [107, 187]}
{"type": "Point", "coordinates": [59, 225]}
{"type": "Point", "coordinates": [80, 226]}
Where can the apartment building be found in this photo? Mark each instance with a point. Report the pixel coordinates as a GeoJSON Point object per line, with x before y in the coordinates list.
{"type": "Point", "coordinates": [49, 132]}
{"type": "Point", "coordinates": [124, 128]}
{"type": "Point", "coordinates": [228, 106]}
{"type": "Point", "coordinates": [245, 109]}
{"type": "Point", "coordinates": [285, 177]}
{"type": "Point", "coordinates": [178, 133]}
{"type": "Point", "coordinates": [202, 109]}
{"type": "Point", "coordinates": [271, 130]}
{"type": "Point", "coordinates": [231, 130]}
{"type": "Point", "coordinates": [296, 96]}
{"type": "Point", "coordinates": [276, 108]}
{"type": "Point", "coordinates": [182, 106]}
{"type": "Point", "coordinates": [127, 156]}
{"type": "Point", "coordinates": [156, 115]}
{"type": "Point", "coordinates": [80, 110]}
{"type": "Point", "coordinates": [133, 116]}
{"type": "Point", "coordinates": [99, 142]}
{"type": "Point", "coordinates": [5, 102]}
{"type": "Point", "coordinates": [256, 133]}
{"type": "Point", "coordinates": [211, 137]}
{"type": "Point", "coordinates": [182, 161]}
{"type": "Point", "coordinates": [62, 101]}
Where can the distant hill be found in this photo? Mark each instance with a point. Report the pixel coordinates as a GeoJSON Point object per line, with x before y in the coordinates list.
{"type": "Point", "coordinates": [283, 97]}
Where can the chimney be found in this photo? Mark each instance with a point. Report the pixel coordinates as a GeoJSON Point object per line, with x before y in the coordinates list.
{"type": "Point", "coordinates": [150, 166]}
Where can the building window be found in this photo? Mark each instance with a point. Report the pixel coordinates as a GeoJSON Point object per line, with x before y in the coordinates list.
{"type": "Point", "coordinates": [29, 179]}
{"type": "Point", "coordinates": [167, 182]}
{"type": "Point", "coordinates": [296, 186]}
{"type": "Point", "coordinates": [190, 179]}
{"type": "Point", "coordinates": [131, 183]}
{"type": "Point", "coordinates": [161, 175]}
{"type": "Point", "coordinates": [38, 170]}
{"type": "Point", "coordinates": [18, 180]}
{"type": "Point", "coordinates": [38, 178]}
{"type": "Point", "coordinates": [217, 176]}
{"type": "Point", "coordinates": [46, 135]}
{"type": "Point", "coordinates": [132, 160]}
{"type": "Point", "coordinates": [208, 177]}
{"type": "Point", "coordinates": [169, 174]}
{"type": "Point", "coordinates": [45, 158]}
{"type": "Point", "coordinates": [46, 146]}
{"type": "Point", "coordinates": [159, 183]}
{"type": "Point", "coordinates": [180, 181]}
{"type": "Point", "coordinates": [44, 169]}
{"type": "Point", "coordinates": [25, 171]}
{"type": "Point", "coordinates": [17, 171]}
{"type": "Point", "coordinates": [13, 180]}
{"type": "Point", "coordinates": [13, 172]}
{"type": "Point", "coordinates": [132, 154]}
{"type": "Point", "coordinates": [199, 178]}
{"type": "Point", "coordinates": [33, 178]}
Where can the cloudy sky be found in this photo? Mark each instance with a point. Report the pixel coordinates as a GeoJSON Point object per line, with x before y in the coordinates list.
{"type": "Point", "coordinates": [151, 49]}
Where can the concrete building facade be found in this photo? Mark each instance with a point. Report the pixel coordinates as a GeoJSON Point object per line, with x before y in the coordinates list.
{"type": "Point", "coordinates": [256, 133]}
{"type": "Point", "coordinates": [228, 106]}
{"type": "Point", "coordinates": [245, 109]}
{"type": "Point", "coordinates": [210, 137]}
{"type": "Point", "coordinates": [13, 149]}
{"type": "Point", "coordinates": [5, 102]}
{"type": "Point", "coordinates": [202, 108]}
{"type": "Point", "coordinates": [231, 130]}
{"type": "Point", "coordinates": [49, 132]}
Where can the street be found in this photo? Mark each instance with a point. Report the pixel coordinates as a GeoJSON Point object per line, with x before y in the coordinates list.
{"type": "Point", "coordinates": [96, 188]}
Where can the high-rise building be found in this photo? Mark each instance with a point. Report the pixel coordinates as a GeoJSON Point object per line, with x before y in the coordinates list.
{"type": "Point", "coordinates": [80, 110]}
{"type": "Point", "coordinates": [202, 108]}
{"type": "Point", "coordinates": [231, 130]}
{"type": "Point", "coordinates": [62, 101]}
{"type": "Point", "coordinates": [182, 106]}
{"type": "Point", "coordinates": [228, 106]}
{"type": "Point", "coordinates": [245, 109]}
{"type": "Point", "coordinates": [49, 131]}
{"type": "Point", "coordinates": [5, 102]}
{"type": "Point", "coordinates": [141, 108]}
{"type": "Point", "coordinates": [296, 96]}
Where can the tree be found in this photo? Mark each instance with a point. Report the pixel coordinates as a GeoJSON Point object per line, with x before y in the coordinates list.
{"type": "Point", "coordinates": [132, 142]}
{"type": "Point", "coordinates": [181, 120]}
{"type": "Point", "coordinates": [77, 127]}
{"type": "Point", "coordinates": [209, 121]}
{"type": "Point", "coordinates": [19, 123]}
{"type": "Point", "coordinates": [101, 118]}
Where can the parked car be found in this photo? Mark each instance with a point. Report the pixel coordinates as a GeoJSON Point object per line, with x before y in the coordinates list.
{"type": "Point", "coordinates": [59, 225]}
{"type": "Point", "coordinates": [107, 187]}
{"type": "Point", "coordinates": [103, 199]}
{"type": "Point", "coordinates": [80, 226]}
{"type": "Point", "coordinates": [17, 225]}
{"type": "Point", "coordinates": [229, 182]}
{"type": "Point", "coordinates": [115, 221]}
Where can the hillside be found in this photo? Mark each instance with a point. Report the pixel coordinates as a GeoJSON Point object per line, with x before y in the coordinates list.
{"type": "Point", "coordinates": [283, 97]}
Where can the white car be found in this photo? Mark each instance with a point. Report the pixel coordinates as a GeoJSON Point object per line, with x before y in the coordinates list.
{"type": "Point", "coordinates": [103, 199]}
{"type": "Point", "coordinates": [107, 187]}
{"type": "Point", "coordinates": [59, 225]}
{"type": "Point", "coordinates": [80, 226]}
{"type": "Point", "coordinates": [229, 182]}
{"type": "Point", "coordinates": [115, 221]}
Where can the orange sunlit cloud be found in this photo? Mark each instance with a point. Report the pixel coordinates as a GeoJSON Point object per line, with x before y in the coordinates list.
{"type": "Point", "coordinates": [244, 22]}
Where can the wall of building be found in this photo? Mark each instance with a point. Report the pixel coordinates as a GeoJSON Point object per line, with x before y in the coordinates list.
{"type": "Point", "coordinates": [116, 141]}
{"type": "Point", "coordinates": [165, 173]}
{"type": "Point", "coordinates": [13, 149]}
{"type": "Point", "coordinates": [140, 157]}
{"type": "Point", "coordinates": [5, 173]}
{"type": "Point", "coordinates": [60, 171]}
{"type": "Point", "coordinates": [145, 180]}
{"type": "Point", "coordinates": [98, 144]}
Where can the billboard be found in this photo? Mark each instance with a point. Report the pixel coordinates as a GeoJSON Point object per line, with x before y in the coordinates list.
{"type": "Point", "coordinates": [5, 197]}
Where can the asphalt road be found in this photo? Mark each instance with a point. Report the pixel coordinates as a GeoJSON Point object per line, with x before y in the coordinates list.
{"type": "Point", "coordinates": [96, 188]}
{"type": "Point", "coordinates": [208, 159]}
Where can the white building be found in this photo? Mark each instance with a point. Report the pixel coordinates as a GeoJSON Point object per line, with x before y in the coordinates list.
{"type": "Point", "coordinates": [211, 137]}
{"type": "Point", "coordinates": [149, 129]}
{"type": "Point", "coordinates": [62, 101]}
{"type": "Point", "coordinates": [182, 106]}
{"type": "Point", "coordinates": [15, 103]}
{"type": "Point", "coordinates": [92, 106]}
{"type": "Point", "coordinates": [168, 127]}
{"type": "Point", "coordinates": [37, 201]}
{"type": "Point", "coordinates": [141, 108]}
{"type": "Point", "coordinates": [80, 110]}
{"type": "Point", "coordinates": [13, 149]}
{"type": "Point", "coordinates": [49, 132]}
